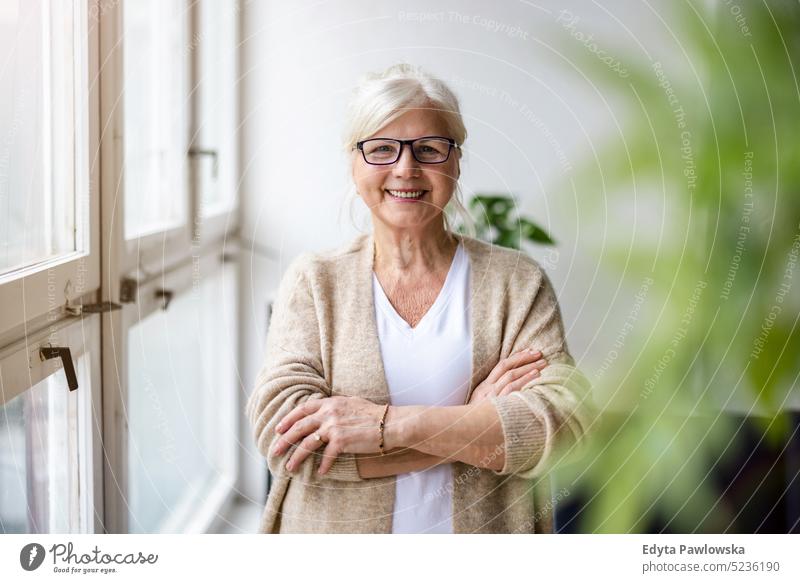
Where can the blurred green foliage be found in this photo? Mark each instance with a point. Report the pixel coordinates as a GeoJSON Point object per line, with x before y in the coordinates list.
{"type": "Point", "coordinates": [708, 164]}
{"type": "Point", "coordinates": [495, 222]}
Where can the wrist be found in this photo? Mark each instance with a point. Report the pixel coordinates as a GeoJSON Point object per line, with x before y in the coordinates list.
{"type": "Point", "coordinates": [400, 427]}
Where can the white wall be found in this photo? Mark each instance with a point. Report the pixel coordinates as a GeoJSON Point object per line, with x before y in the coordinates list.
{"type": "Point", "coordinates": [530, 115]}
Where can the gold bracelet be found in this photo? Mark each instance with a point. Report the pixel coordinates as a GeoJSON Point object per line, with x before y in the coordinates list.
{"type": "Point", "coordinates": [381, 425]}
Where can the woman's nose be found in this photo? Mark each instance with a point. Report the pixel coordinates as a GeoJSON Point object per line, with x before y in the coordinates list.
{"type": "Point", "coordinates": [406, 164]}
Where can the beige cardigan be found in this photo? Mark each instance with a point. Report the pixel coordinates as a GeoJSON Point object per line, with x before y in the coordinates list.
{"type": "Point", "coordinates": [323, 341]}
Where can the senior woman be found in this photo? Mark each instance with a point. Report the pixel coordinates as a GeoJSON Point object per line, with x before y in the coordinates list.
{"type": "Point", "coordinates": [416, 380]}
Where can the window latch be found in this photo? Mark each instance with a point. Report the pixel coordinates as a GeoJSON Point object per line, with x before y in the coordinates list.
{"type": "Point", "coordinates": [96, 308]}
{"type": "Point", "coordinates": [62, 352]}
{"type": "Point", "coordinates": [165, 296]}
{"type": "Point", "coordinates": [197, 152]}
{"type": "Point", "coordinates": [101, 307]}
{"type": "Point", "coordinates": [128, 289]}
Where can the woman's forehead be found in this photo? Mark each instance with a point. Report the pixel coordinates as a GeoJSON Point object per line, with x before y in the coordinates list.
{"type": "Point", "coordinates": [413, 124]}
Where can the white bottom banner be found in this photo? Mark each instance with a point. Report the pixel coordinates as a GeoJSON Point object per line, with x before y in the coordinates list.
{"type": "Point", "coordinates": [375, 558]}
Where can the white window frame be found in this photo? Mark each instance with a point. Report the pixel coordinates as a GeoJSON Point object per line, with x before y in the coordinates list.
{"type": "Point", "coordinates": [72, 275]}
{"type": "Point", "coordinates": [165, 259]}
{"type": "Point", "coordinates": [41, 295]}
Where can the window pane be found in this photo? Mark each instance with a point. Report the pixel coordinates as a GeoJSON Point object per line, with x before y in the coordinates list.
{"type": "Point", "coordinates": [218, 84]}
{"type": "Point", "coordinates": [181, 399]}
{"type": "Point", "coordinates": [39, 491]}
{"type": "Point", "coordinates": [38, 63]}
{"type": "Point", "coordinates": [155, 129]}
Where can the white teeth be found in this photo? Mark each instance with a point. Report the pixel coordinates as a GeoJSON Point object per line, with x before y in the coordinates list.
{"type": "Point", "coordinates": [398, 194]}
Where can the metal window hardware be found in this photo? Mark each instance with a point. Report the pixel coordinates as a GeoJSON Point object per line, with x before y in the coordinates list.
{"type": "Point", "coordinates": [101, 307]}
{"type": "Point", "coordinates": [129, 291]}
{"type": "Point", "coordinates": [196, 152]}
{"type": "Point", "coordinates": [165, 295]}
{"type": "Point", "coordinates": [96, 308]}
{"type": "Point", "coordinates": [62, 352]}
{"type": "Point", "coordinates": [128, 288]}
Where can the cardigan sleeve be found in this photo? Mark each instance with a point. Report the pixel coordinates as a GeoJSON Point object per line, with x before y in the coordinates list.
{"type": "Point", "coordinates": [291, 374]}
{"type": "Point", "coordinates": [551, 415]}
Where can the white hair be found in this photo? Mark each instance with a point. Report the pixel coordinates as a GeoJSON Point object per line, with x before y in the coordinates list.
{"type": "Point", "coordinates": [382, 97]}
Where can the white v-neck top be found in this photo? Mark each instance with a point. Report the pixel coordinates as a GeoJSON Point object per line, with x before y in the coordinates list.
{"type": "Point", "coordinates": [429, 364]}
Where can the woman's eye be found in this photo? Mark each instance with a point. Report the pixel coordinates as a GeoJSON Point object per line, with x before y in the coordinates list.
{"type": "Point", "coordinates": [381, 149]}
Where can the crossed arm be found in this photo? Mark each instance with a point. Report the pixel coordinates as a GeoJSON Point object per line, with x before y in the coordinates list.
{"type": "Point", "coordinates": [428, 436]}
{"type": "Point", "coordinates": [417, 437]}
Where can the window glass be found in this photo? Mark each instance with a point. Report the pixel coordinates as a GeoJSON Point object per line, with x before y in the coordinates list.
{"type": "Point", "coordinates": [39, 460]}
{"type": "Point", "coordinates": [38, 64]}
{"type": "Point", "coordinates": [156, 99]}
{"type": "Point", "coordinates": [181, 397]}
{"type": "Point", "coordinates": [218, 83]}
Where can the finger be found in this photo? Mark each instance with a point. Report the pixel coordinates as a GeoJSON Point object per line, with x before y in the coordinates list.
{"type": "Point", "coordinates": [329, 455]}
{"type": "Point", "coordinates": [302, 451]}
{"type": "Point", "coordinates": [302, 410]}
{"type": "Point", "coordinates": [514, 374]}
{"type": "Point", "coordinates": [520, 382]}
{"type": "Point", "coordinates": [523, 370]}
{"type": "Point", "coordinates": [515, 360]}
{"type": "Point", "coordinates": [297, 433]}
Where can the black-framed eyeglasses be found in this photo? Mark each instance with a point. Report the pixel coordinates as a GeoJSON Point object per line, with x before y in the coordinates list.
{"type": "Point", "coordinates": [426, 150]}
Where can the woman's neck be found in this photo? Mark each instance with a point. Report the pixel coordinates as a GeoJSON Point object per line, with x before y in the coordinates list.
{"type": "Point", "coordinates": [411, 252]}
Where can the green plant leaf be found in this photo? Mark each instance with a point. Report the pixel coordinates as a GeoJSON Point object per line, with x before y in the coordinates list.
{"type": "Point", "coordinates": [535, 233]}
{"type": "Point", "coordinates": [494, 212]}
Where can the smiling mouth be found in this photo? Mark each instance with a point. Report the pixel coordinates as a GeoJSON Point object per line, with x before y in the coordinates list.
{"type": "Point", "coordinates": [406, 194]}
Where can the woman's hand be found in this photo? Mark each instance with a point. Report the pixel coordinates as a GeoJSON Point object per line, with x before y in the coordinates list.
{"type": "Point", "coordinates": [509, 375]}
{"type": "Point", "coordinates": [344, 425]}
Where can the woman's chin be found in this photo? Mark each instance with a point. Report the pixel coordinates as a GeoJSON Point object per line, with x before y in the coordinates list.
{"type": "Point", "coordinates": [404, 220]}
